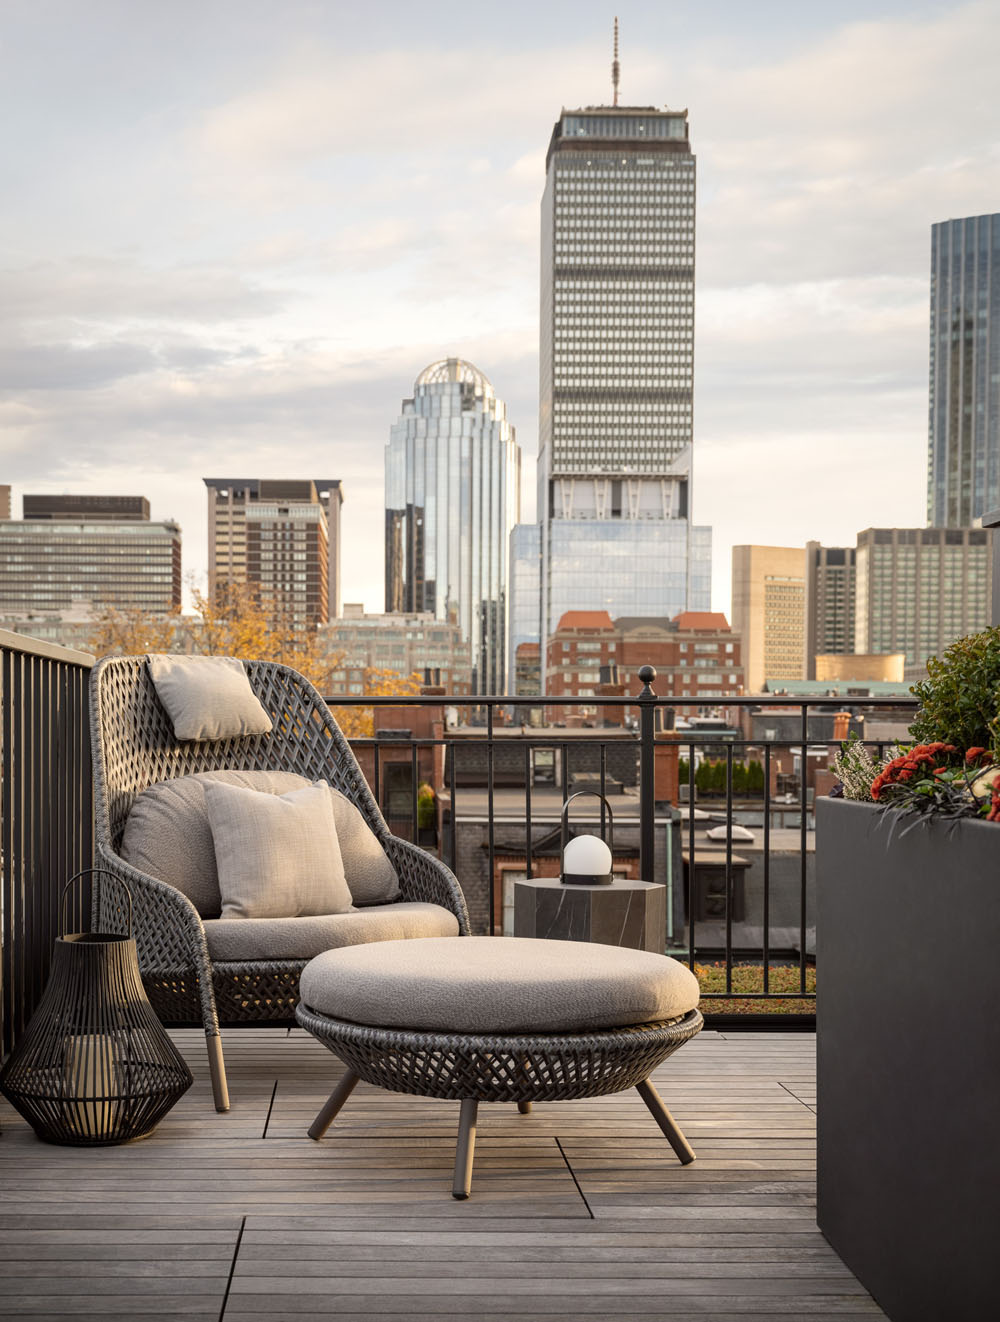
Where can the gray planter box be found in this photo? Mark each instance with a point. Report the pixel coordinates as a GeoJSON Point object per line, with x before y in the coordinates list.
{"type": "Point", "coordinates": [908, 1025]}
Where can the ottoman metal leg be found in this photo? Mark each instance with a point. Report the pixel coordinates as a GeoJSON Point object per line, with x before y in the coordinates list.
{"type": "Point", "coordinates": [336, 1100]}
{"type": "Point", "coordinates": [666, 1122]}
{"type": "Point", "coordinates": [524, 1108]}
{"type": "Point", "coordinates": [465, 1150]}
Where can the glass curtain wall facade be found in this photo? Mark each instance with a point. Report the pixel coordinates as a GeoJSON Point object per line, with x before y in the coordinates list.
{"type": "Point", "coordinates": [963, 478]}
{"type": "Point", "coordinates": [617, 366]}
{"type": "Point", "coordinates": [452, 496]}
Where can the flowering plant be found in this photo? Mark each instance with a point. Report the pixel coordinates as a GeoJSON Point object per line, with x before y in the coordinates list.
{"type": "Point", "coordinates": [938, 778]}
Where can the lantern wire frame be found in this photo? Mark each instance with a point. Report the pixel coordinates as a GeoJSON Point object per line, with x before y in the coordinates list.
{"type": "Point", "coordinates": [94, 1066]}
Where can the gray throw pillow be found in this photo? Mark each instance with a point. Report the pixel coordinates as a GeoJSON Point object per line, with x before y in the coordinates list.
{"type": "Point", "coordinates": [277, 855]}
{"type": "Point", "coordinates": [207, 697]}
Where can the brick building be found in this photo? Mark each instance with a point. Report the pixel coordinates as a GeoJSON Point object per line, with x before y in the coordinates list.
{"type": "Point", "coordinates": [695, 655]}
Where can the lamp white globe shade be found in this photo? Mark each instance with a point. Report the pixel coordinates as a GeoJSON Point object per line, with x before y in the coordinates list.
{"type": "Point", "coordinates": [587, 856]}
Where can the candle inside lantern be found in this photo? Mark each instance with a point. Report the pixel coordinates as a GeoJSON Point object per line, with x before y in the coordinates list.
{"type": "Point", "coordinates": [89, 1083]}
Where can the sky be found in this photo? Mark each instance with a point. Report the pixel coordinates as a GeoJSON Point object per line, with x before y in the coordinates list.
{"type": "Point", "coordinates": [233, 233]}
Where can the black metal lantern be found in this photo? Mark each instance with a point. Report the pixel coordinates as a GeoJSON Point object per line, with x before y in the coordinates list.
{"type": "Point", "coordinates": [95, 1065]}
{"type": "Point", "coordinates": [587, 859]}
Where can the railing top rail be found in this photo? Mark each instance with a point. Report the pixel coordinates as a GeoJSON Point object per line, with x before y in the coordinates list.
{"type": "Point", "coordinates": [24, 643]}
{"type": "Point", "coordinates": [566, 700]}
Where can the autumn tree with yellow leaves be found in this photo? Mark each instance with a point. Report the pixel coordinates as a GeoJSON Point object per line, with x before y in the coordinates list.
{"type": "Point", "coordinates": [237, 622]}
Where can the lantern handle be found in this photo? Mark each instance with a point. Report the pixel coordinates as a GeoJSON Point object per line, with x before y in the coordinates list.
{"type": "Point", "coordinates": [611, 817]}
{"type": "Point", "coordinates": [91, 872]}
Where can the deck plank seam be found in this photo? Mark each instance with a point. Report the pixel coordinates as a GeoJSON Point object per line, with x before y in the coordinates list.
{"type": "Point", "coordinates": [232, 1268]}
{"type": "Point", "coordinates": [562, 1153]}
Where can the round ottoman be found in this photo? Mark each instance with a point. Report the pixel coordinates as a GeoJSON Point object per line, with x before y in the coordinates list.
{"type": "Point", "coordinates": [499, 1019]}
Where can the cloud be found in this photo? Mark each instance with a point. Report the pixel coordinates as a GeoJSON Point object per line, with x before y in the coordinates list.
{"type": "Point", "coordinates": [95, 287]}
{"type": "Point", "coordinates": [251, 273]}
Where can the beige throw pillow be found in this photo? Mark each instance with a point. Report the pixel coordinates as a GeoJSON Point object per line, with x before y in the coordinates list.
{"type": "Point", "coordinates": [277, 855]}
{"type": "Point", "coordinates": [207, 697]}
{"type": "Point", "coordinates": [370, 875]}
{"type": "Point", "coordinates": [168, 836]}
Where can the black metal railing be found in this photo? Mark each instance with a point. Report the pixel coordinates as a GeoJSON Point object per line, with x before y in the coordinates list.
{"type": "Point", "coordinates": [46, 813]}
{"type": "Point", "coordinates": [782, 875]}
{"type": "Point", "coordinates": [500, 789]}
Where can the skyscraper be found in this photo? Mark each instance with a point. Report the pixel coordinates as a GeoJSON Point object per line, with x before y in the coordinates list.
{"type": "Point", "coordinates": [769, 612]}
{"type": "Point", "coordinates": [452, 496]}
{"type": "Point", "coordinates": [918, 589]}
{"type": "Point", "coordinates": [83, 553]}
{"type": "Point", "coordinates": [830, 575]}
{"type": "Point", "coordinates": [281, 534]}
{"type": "Point", "coordinates": [617, 365]}
{"type": "Point", "coordinates": [963, 464]}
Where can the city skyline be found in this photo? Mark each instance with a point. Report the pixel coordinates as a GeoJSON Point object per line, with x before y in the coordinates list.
{"type": "Point", "coordinates": [215, 263]}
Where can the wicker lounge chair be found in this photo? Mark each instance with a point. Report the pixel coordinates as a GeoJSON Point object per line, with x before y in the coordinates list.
{"type": "Point", "coordinates": [134, 747]}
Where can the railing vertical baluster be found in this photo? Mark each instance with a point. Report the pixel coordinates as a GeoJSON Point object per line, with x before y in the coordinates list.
{"type": "Point", "coordinates": [767, 869]}
{"type": "Point", "coordinates": [414, 801]}
{"type": "Point", "coordinates": [604, 793]}
{"type": "Point", "coordinates": [803, 838]}
{"type": "Point", "coordinates": [647, 773]}
{"type": "Point", "coordinates": [564, 828]}
{"type": "Point", "coordinates": [450, 768]}
{"type": "Point", "coordinates": [527, 812]}
{"type": "Point", "coordinates": [491, 842]}
{"type": "Point", "coordinates": [729, 869]}
{"type": "Point", "coordinates": [8, 949]}
{"type": "Point", "coordinates": [692, 870]}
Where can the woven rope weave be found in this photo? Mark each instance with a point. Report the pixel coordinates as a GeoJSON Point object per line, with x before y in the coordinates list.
{"type": "Point", "coordinates": [134, 747]}
{"type": "Point", "coordinates": [540, 1067]}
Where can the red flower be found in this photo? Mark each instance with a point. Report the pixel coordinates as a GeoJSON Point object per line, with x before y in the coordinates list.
{"type": "Point", "coordinates": [974, 754]}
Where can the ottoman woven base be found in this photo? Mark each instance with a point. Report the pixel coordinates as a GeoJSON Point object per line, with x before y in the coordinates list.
{"type": "Point", "coordinates": [474, 1067]}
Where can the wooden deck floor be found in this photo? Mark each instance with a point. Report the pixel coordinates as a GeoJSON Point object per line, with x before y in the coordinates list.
{"type": "Point", "coordinates": [579, 1210]}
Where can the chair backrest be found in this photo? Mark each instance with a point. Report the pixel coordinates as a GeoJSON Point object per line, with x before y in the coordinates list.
{"type": "Point", "coordinates": [134, 746]}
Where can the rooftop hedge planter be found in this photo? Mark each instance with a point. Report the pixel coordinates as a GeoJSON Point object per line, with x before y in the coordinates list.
{"type": "Point", "coordinates": [908, 1025]}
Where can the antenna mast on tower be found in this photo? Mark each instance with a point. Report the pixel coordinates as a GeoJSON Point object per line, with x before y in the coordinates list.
{"type": "Point", "coordinates": [615, 66]}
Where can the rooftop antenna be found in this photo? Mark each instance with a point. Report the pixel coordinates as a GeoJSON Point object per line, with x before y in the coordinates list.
{"type": "Point", "coordinates": [615, 66]}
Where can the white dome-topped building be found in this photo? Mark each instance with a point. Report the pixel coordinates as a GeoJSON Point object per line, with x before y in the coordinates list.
{"type": "Point", "coordinates": [452, 496]}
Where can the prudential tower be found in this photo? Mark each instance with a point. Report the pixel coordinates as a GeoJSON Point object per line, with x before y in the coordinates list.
{"type": "Point", "coordinates": [617, 369]}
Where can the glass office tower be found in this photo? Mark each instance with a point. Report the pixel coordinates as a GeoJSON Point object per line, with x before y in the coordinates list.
{"type": "Point", "coordinates": [963, 466]}
{"type": "Point", "coordinates": [452, 496]}
{"type": "Point", "coordinates": [617, 368]}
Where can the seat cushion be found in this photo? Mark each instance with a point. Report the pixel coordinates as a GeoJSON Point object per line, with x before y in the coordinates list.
{"type": "Point", "coordinates": [168, 836]}
{"type": "Point", "coordinates": [207, 697]}
{"type": "Point", "coordinates": [277, 855]}
{"type": "Point", "coordinates": [490, 984]}
{"type": "Point", "coordinates": [302, 938]}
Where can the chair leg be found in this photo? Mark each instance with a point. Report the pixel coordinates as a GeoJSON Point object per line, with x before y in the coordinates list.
{"type": "Point", "coordinates": [333, 1104]}
{"type": "Point", "coordinates": [465, 1149]}
{"type": "Point", "coordinates": [524, 1108]}
{"type": "Point", "coordinates": [666, 1122]}
{"type": "Point", "coordinates": [217, 1069]}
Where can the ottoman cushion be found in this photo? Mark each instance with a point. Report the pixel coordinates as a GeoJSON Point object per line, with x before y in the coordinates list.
{"type": "Point", "coordinates": [489, 984]}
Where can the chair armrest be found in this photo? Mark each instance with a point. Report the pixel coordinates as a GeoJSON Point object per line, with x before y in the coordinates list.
{"type": "Point", "coordinates": [424, 877]}
{"type": "Point", "coordinates": [166, 926]}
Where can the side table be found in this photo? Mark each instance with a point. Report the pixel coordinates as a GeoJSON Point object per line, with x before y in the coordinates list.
{"type": "Point", "coordinates": [627, 913]}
